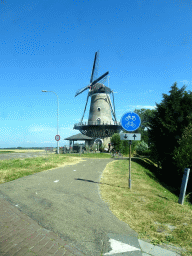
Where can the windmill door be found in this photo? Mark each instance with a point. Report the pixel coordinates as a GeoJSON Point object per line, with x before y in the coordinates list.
{"type": "Point", "coordinates": [98, 121]}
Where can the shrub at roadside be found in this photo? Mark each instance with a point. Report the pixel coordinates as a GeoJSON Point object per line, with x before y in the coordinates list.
{"type": "Point", "coordinates": [141, 147]}
{"type": "Point", "coordinates": [103, 148]}
{"type": "Point", "coordinates": [125, 147]}
{"type": "Point", "coordinates": [116, 142]}
{"type": "Point", "coordinates": [182, 157]}
{"type": "Point", "coordinates": [146, 152]}
{"type": "Point", "coordinates": [165, 128]}
{"type": "Point", "coordinates": [122, 145]}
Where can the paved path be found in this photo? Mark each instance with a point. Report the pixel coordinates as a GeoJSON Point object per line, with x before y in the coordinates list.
{"type": "Point", "coordinates": [66, 201]}
{"type": "Point", "coordinates": [60, 212]}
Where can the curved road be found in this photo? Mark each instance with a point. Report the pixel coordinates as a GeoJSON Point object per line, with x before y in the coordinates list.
{"type": "Point", "coordinates": [66, 200]}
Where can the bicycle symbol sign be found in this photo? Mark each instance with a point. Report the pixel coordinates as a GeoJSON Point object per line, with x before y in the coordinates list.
{"type": "Point", "coordinates": [130, 121]}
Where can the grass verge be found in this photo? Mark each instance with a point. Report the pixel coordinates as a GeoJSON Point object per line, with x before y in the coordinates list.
{"type": "Point", "coordinates": [13, 169]}
{"type": "Point", "coordinates": [149, 207]}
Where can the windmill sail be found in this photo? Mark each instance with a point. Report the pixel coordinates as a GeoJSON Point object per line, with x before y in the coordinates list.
{"type": "Point", "coordinates": [104, 76]}
{"type": "Point", "coordinates": [95, 68]}
{"type": "Point", "coordinates": [82, 90]}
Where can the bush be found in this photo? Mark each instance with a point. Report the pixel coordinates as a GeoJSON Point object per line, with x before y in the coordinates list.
{"type": "Point", "coordinates": [122, 145]}
{"type": "Point", "coordinates": [93, 147]}
{"type": "Point", "coordinates": [141, 147]}
{"type": "Point", "coordinates": [146, 152]}
{"type": "Point", "coordinates": [116, 142]}
{"type": "Point", "coordinates": [87, 148]}
{"type": "Point", "coordinates": [125, 147]}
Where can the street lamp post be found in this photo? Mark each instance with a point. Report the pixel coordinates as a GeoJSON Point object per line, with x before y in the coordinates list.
{"type": "Point", "coordinates": [57, 118]}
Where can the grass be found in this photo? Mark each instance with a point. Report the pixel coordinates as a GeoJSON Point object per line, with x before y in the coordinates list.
{"type": "Point", "coordinates": [8, 151]}
{"type": "Point", "coordinates": [13, 169]}
{"type": "Point", "coordinates": [150, 207]}
{"type": "Point", "coordinates": [91, 155]}
{"type": "Point", "coordinates": [5, 151]}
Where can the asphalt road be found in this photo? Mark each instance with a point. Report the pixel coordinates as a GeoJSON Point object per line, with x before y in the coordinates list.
{"type": "Point", "coordinates": [66, 200]}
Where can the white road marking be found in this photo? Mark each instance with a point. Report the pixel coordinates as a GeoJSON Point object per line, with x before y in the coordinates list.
{"type": "Point", "coordinates": [56, 180]}
{"type": "Point", "coordinates": [36, 193]}
{"type": "Point", "coordinates": [119, 247]}
{"type": "Point", "coordinates": [74, 170]}
{"type": "Point", "coordinates": [16, 205]}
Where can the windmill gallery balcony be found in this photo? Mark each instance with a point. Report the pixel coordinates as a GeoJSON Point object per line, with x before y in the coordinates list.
{"type": "Point", "coordinates": [98, 129]}
{"type": "Point", "coordinates": [96, 123]}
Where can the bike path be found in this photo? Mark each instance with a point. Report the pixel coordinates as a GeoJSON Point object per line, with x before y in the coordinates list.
{"type": "Point", "coordinates": [65, 202]}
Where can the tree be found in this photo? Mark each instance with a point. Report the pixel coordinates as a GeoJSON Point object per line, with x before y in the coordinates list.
{"type": "Point", "coordinates": [125, 147]}
{"type": "Point", "coordinates": [122, 145]}
{"type": "Point", "coordinates": [142, 146]}
{"type": "Point", "coordinates": [144, 115]}
{"type": "Point", "coordinates": [116, 142]}
{"type": "Point", "coordinates": [167, 124]}
{"type": "Point", "coordinates": [182, 158]}
{"type": "Point", "coordinates": [183, 153]}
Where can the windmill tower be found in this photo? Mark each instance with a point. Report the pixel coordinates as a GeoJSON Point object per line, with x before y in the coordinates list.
{"type": "Point", "coordinates": [102, 122]}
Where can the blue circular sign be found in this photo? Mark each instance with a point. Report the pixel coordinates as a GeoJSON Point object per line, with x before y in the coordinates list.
{"type": "Point", "coordinates": [130, 121]}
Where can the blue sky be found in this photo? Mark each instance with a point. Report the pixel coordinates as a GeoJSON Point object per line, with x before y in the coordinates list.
{"type": "Point", "coordinates": [50, 45]}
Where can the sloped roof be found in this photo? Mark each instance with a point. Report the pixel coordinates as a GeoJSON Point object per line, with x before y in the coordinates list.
{"type": "Point", "coordinates": [79, 136]}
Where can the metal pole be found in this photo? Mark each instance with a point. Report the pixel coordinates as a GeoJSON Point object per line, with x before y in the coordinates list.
{"type": "Point", "coordinates": [57, 123]}
{"type": "Point", "coordinates": [57, 118]}
{"type": "Point", "coordinates": [184, 185]}
{"type": "Point", "coordinates": [130, 164]}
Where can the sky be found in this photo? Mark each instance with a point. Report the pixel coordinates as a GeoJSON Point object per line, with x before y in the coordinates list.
{"type": "Point", "coordinates": [50, 45]}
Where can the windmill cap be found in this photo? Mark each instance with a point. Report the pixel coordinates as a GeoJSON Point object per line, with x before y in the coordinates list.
{"type": "Point", "coordinates": [99, 88]}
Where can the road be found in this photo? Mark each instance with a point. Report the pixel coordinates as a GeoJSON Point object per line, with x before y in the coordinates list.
{"type": "Point", "coordinates": [67, 201]}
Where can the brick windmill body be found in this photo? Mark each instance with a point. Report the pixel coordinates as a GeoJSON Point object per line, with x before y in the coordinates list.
{"type": "Point", "coordinates": [102, 122]}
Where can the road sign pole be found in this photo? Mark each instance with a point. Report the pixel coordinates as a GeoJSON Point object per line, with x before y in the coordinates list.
{"type": "Point", "coordinates": [130, 164]}
{"type": "Point", "coordinates": [130, 122]}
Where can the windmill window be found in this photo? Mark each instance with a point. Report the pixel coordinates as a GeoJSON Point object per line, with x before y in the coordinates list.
{"type": "Point", "coordinates": [99, 109]}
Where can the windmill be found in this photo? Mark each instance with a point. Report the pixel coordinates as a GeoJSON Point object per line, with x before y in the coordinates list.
{"type": "Point", "coordinates": [102, 122]}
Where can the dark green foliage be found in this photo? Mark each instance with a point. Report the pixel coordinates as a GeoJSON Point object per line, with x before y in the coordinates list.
{"type": "Point", "coordinates": [122, 145]}
{"type": "Point", "coordinates": [146, 152]}
{"type": "Point", "coordinates": [141, 147]}
{"type": "Point", "coordinates": [116, 142]}
{"type": "Point", "coordinates": [183, 153]}
{"type": "Point", "coordinates": [154, 156]}
{"type": "Point", "coordinates": [167, 125]}
{"type": "Point", "coordinates": [101, 148]}
{"type": "Point", "coordinates": [145, 115]}
{"type": "Point", "coordinates": [182, 156]}
{"type": "Point", "coordinates": [125, 147]}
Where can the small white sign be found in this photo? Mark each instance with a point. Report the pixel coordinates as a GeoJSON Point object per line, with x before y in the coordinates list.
{"type": "Point", "coordinates": [130, 136]}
